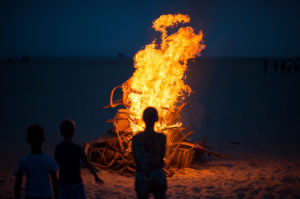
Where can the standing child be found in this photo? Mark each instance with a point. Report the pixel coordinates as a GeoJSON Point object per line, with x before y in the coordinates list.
{"type": "Point", "coordinates": [149, 150]}
{"type": "Point", "coordinates": [68, 155]}
{"type": "Point", "coordinates": [37, 166]}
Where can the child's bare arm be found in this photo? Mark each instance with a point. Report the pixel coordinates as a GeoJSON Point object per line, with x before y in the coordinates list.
{"type": "Point", "coordinates": [18, 184]}
{"type": "Point", "coordinates": [54, 184]}
{"type": "Point", "coordinates": [91, 168]}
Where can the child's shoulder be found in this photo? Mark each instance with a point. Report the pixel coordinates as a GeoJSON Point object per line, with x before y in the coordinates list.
{"type": "Point", "coordinates": [68, 145]}
{"type": "Point", "coordinates": [47, 156]}
{"type": "Point", "coordinates": [161, 135]}
{"type": "Point", "coordinates": [24, 157]}
{"type": "Point", "coordinates": [29, 158]}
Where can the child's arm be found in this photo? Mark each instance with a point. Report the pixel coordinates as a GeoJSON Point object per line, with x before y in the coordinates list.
{"type": "Point", "coordinates": [18, 184]}
{"type": "Point", "coordinates": [91, 168]}
{"type": "Point", "coordinates": [54, 184]}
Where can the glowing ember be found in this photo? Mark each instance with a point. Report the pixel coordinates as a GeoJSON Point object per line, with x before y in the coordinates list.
{"type": "Point", "coordinates": [158, 80]}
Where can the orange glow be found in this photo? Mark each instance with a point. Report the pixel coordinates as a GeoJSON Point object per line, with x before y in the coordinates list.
{"type": "Point", "coordinates": [158, 80]}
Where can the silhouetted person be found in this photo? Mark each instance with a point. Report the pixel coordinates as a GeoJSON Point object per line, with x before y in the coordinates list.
{"type": "Point", "coordinates": [289, 66]}
{"type": "Point", "coordinates": [37, 166]}
{"type": "Point", "coordinates": [282, 66]}
{"type": "Point", "coordinates": [149, 150]}
{"type": "Point", "coordinates": [120, 55]}
{"type": "Point", "coordinates": [9, 60]}
{"type": "Point", "coordinates": [266, 66]}
{"type": "Point", "coordinates": [68, 155]}
{"type": "Point", "coordinates": [25, 59]}
{"type": "Point", "coordinates": [275, 65]}
{"type": "Point", "coordinates": [296, 68]}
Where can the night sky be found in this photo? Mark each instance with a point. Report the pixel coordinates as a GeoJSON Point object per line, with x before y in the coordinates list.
{"type": "Point", "coordinates": [43, 28]}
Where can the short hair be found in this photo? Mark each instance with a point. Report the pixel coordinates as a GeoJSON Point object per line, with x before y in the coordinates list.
{"type": "Point", "coordinates": [67, 128]}
{"type": "Point", "coordinates": [35, 134]}
{"type": "Point", "coordinates": [150, 116]}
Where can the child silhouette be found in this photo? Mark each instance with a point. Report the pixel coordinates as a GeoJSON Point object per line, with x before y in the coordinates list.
{"type": "Point", "coordinates": [37, 166]}
{"type": "Point", "coordinates": [68, 155]}
{"type": "Point", "coordinates": [149, 150]}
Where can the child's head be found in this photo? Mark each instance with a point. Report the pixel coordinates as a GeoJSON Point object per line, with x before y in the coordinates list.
{"type": "Point", "coordinates": [35, 135]}
{"type": "Point", "coordinates": [67, 128]}
{"type": "Point", "coordinates": [150, 116]}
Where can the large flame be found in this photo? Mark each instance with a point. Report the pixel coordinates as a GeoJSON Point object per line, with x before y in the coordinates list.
{"type": "Point", "coordinates": [158, 80]}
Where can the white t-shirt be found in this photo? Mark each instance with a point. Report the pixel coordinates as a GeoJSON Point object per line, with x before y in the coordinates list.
{"type": "Point", "coordinates": [37, 168]}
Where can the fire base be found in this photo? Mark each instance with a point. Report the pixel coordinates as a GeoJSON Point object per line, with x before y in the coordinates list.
{"type": "Point", "coordinates": [113, 151]}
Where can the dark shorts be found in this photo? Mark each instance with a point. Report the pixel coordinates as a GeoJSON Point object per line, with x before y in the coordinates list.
{"type": "Point", "coordinates": [71, 191]}
{"type": "Point", "coordinates": [153, 182]}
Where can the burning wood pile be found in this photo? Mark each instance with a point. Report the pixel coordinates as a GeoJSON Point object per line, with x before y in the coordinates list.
{"type": "Point", "coordinates": [158, 81]}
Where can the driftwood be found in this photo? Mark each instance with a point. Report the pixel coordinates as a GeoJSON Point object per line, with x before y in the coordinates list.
{"type": "Point", "coordinates": [113, 151]}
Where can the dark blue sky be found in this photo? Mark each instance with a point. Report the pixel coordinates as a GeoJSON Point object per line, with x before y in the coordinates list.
{"type": "Point", "coordinates": [103, 28]}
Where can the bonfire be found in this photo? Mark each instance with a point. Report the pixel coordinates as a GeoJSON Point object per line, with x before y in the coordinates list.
{"type": "Point", "coordinates": [158, 81]}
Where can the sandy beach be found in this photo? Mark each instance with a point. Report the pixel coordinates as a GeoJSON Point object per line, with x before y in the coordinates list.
{"type": "Point", "coordinates": [245, 175]}
{"type": "Point", "coordinates": [251, 117]}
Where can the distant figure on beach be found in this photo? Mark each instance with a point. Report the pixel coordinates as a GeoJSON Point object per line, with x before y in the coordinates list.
{"type": "Point", "coordinates": [25, 59]}
{"type": "Point", "coordinates": [282, 66]}
{"type": "Point", "coordinates": [9, 60]}
{"type": "Point", "coordinates": [289, 66]}
{"type": "Point", "coordinates": [120, 55]}
{"type": "Point", "coordinates": [275, 65]}
{"type": "Point", "coordinates": [296, 68]}
{"type": "Point", "coordinates": [68, 155]}
{"type": "Point", "coordinates": [37, 166]}
{"type": "Point", "coordinates": [266, 63]}
{"type": "Point", "coordinates": [149, 150]}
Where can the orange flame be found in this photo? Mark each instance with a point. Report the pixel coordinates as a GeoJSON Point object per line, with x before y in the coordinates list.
{"type": "Point", "coordinates": [158, 80]}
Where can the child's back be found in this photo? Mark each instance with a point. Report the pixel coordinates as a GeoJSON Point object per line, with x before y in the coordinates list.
{"type": "Point", "coordinates": [149, 150]}
{"type": "Point", "coordinates": [68, 155]}
{"type": "Point", "coordinates": [37, 168]}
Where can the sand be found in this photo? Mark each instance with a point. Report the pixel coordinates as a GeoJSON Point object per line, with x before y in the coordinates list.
{"type": "Point", "coordinates": [250, 116]}
{"type": "Point", "coordinates": [242, 177]}
{"type": "Point", "coordinates": [245, 175]}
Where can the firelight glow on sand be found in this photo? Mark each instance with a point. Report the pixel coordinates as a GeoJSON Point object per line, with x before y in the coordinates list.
{"type": "Point", "coordinates": [158, 80]}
